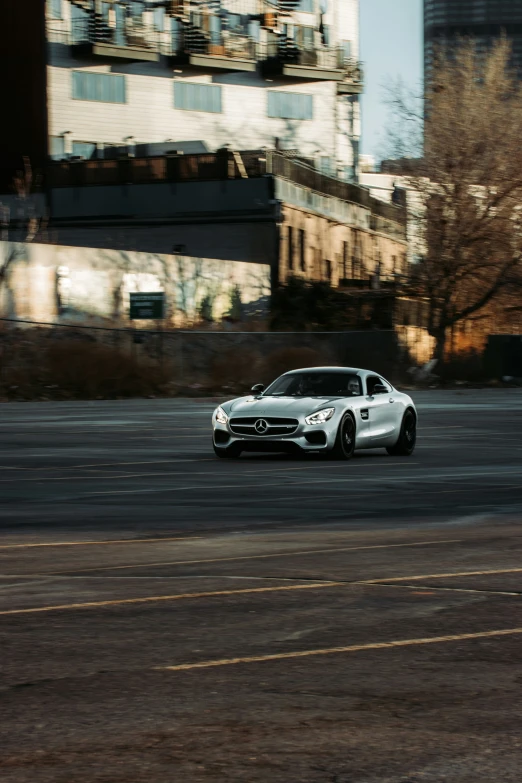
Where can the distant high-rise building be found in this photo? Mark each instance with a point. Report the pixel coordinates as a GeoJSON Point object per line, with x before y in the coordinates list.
{"type": "Point", "coordinates": [484, 20]}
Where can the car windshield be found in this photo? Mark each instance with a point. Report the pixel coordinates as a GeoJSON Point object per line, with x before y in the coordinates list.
{"type": "Point", "coordinates": [316, 384]}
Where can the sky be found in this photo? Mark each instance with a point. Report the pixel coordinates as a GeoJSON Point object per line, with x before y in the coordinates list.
{"type": "Point", "coordinates": [391, 46]}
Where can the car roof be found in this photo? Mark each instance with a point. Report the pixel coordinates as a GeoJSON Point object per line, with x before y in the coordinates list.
{"type": "Point", "coordinates": [352, 370]}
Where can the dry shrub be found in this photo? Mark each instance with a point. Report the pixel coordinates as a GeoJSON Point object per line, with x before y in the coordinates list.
{"type": "Point", "coordinates": [89, 369]}
{"type": "Point", "coordinates": [285, 359]}
{"type": "Point", "coordinates": [36, 363]}
{"type": "Point", "coordinates": [234, 370]}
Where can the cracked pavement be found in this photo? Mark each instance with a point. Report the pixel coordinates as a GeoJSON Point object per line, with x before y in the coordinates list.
{"type": "Point", "coordinates": [165, 616]}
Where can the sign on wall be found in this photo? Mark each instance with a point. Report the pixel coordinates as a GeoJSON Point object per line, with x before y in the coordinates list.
{"type": "Point", "coordinates": [147, 306]}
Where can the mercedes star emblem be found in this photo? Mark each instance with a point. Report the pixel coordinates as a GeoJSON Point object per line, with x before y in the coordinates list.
{"type": "Point", "coordinates": [261, 426]}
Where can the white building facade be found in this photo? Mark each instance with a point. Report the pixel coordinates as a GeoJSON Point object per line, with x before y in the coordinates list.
{"type": "Point", "coordinates": [244, 73]}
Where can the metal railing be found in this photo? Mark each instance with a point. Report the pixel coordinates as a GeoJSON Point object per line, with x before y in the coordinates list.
{"type": "Point", "coordinates": [192, 39]}
{"type": "Point", "coordinates": [224, 164]}
{"type": "Point", "coordinates": [224, 44]}
{"type": "Point", "coordinates": [131, 35]}
{"type": "Point", "coordinates": [287, 52]}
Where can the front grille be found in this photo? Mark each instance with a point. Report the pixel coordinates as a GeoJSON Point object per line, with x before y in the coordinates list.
{"type": "Point", "coordinates": [277, 426]}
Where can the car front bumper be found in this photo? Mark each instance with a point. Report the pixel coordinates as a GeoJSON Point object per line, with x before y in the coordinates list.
{"type": "Point", "coordinates": [307, 437]}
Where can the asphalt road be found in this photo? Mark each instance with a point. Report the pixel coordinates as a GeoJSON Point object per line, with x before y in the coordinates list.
{"type": "Point", "coordinates": [166, 616]}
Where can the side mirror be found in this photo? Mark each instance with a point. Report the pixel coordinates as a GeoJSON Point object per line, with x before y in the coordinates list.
{"type": "Point", "coordinates": [379, 388]}
{"type": "Point", "coordinates": [258, 388]}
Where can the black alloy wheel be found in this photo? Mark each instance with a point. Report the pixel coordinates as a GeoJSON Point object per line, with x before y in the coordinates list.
{"type": "Point", "coordinates": [345, 441]}
{"type": "Point", "coordinates": [405, 445]}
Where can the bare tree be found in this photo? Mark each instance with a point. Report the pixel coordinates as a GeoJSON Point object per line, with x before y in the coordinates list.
{"type": "Point", "coordinates": [460, 150]}
{"type": "Point", "coordinates": [19, 224]}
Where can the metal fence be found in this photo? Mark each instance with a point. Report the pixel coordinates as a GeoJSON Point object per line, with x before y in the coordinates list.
{"type": "Point", "coordinates": [189, 360]}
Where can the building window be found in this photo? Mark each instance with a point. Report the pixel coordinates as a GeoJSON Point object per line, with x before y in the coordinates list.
{"type": "Point", "coordinates": [105, 87]}
{"type": "Point", "coordinates": [302, 250]}
{"type": "Point", "coordinates": [57, 147]}
{"type": "Point", "coordinates": [304, 36]}
{"type": "Point", "coordinates": [136, 9]}
{"type": "Point", "coordinates": [197, 97]}
{"type": "Point", "coordinates": [159, 18]}
{"type": "Point", "coordinates": [346, 48]}
{"type": "Point", "coordinates": [328, 270]}
{"type": "Point", "coordinates": [254, 30]}
{"type": "Point", "coordinates": [214, 24]}
{"type": "Point", "coordinates": [290, 105]}
{"type": "Point", "coordinates": [290, 248]}
{"type": "Point", "coordinates": [326, 166]}
{"type": "Point", "coordinates": [306, 5]}
{"type": "Point", "coordinates": [345, 260]}
{"type": "Point", "coordinates": [84, 149]}
{"type": "Point", "coordinates": [325, 34]}
{"type": "Point", "coordinates": [55, 9]}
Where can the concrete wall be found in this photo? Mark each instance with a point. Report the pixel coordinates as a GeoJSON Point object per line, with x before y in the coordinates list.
{"type": "Point", "coordinates": [159, 200]}
{"type": "Point", "coordinates": [365, 250]}
{"type": "Point", "coordinates": [49, 282]}
{"type": "Point", "coordinates": [230, 241]}
{"type": "Point", "coordinates": [382, 186]}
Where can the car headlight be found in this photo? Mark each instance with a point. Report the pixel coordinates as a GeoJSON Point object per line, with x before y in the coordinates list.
{"type": "Point", "coordinates": [221, 416]}
{"type": "Point", "coordinates": [321, 416]}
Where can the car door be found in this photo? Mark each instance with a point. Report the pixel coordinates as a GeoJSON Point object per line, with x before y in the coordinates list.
{"type": "Point", "coordinates": [382, 412]}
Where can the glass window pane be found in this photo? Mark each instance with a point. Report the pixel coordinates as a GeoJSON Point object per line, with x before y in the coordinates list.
{"type": "Point", "coordinates": [106, 87]}
{"type": "Point", "coordinates": [197, 97]}
{"type": "Point", "coordinates": [57, 147]}
{"type": "Point", "coordinates": [254, 30]}
{"type": "Point", "coordinates": [215, 30]}
{"type": "Point", "coordinates": [84, 149]}
{"type": "Point", "coordinates": [290, 105]}
{"type": "Point", "coordinates": [121, 91]}
{"type": "Point", "coordinates": [56, 9]}
{"type": "Point", "coordinates": [159, 18]}
{"type": "Point", "coordinates": [136, 8]}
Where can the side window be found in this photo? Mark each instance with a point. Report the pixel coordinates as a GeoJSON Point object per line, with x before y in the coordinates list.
{"type": "Point", "coordinates": [354, 386]}
{"type": "Point", "coordinates": [372, 381]}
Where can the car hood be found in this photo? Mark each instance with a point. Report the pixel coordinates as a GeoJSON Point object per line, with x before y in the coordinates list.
{"type": "Point", "coordinates": [278, 406]}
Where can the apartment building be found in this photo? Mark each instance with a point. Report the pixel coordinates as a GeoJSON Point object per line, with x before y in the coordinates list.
{"type": "Point", "coordinates": [190, 75]}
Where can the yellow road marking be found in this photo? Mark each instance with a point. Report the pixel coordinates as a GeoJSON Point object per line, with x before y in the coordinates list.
{"type": "Point", "coordinates": [334, 650]}
{"type": "Point", "coordinates": [101, 543]}
{"type": "Point", "coordinates": [253, 557]}
{"type": "Point", "coordinates": [433, 590]}
{"type": "Point", "coordinates": [440, 576]}
{"type": "Point", "coordinates": [175, 597]}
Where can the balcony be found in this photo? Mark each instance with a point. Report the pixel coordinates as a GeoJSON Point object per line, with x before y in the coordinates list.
{"type": "Point", "coordinates": [224, 50]}
{"type": "Point", "coordinates": [285, 58]}
{"type": "Point", "coordinates": [131, 41]}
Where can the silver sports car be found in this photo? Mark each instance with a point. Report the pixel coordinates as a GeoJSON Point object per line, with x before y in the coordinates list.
{"type": "Point", "coordinates": [330, 410]}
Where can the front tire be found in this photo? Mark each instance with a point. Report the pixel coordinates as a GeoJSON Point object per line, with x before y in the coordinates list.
{"type": "Point", "coordinates": [344, 446]}
{"type": "Point", "coordinates": [405, 445]}
{"type": "Point", "coordinates": [232, 452]}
